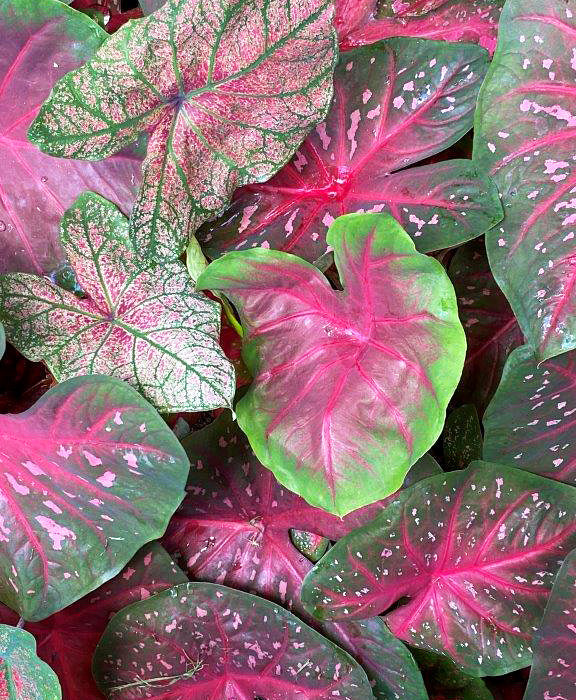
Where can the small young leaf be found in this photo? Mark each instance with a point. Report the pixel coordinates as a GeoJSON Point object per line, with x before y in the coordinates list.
{"type": "Point", "coordinates": [22, 675]}
{"type": "Point", "coordinates": [491, 327]}
{"type": "Point", "coordinates": [462, 438]}
{"type": "Point", "coordinates": [395, 103]}
{"type": "Point", "coordinates": [524, 137]}
{"type": "Point", "coordinates": [553, 674]}
{"type": "Point", "coordinates": [41, 41]}
{"type": "Point", "coordinates": [362, 22]}
{"type": "Point", "coordinates": [89, 474]}
{"type": "Point", "coordinates": [475, 551]}
{"type": "Point", "coordinates": [145, 325]}
{"type": "Point", "coordinates": [226, 90]}
{"type": "Point", "coordinates": [531, 421]}
{"type": "Point", "coordinates": [234, 528]}
{"type": "Point", "coordinates": [200, 640]}
{"type": "Point", "coordinates": [312, 546]}
{"type": "Point", "coordinates": [350, 387]}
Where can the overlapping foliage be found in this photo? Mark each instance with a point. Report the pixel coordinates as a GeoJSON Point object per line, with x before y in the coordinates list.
{"type": "Point", "coordinates": [359, 451]}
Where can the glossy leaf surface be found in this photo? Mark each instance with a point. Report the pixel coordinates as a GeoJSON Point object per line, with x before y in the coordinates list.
{"type": "Point", "coordinates": [553, 674]}
{"type": "Point", "coordinates": [89, 474]}
{"type": "Point", "coordinates": [395, 103]}
{"type": "Point", "coordinates": [492, 331]}
{"type": "Point", "coordinates": [476, 553]}
{"type": "Point", "coordinates": [224, 102]}
{"type": "Point", "coordinates": [41, 41]}
{"type": "Point", "coordinates": [350, 387]}
{"type": "Point", "coordinates": [234, 528]}
{"type": "Point", "coordinates": [207, 641]}
{"type": "Point", "coordinates": [524, 137]}
{"type": "Point", "coordinates": [364, 21]}
{"type": "Point", "coordinates": [531, 421]}
{"type": "Point", "coordinates": [22, 675]}
{"type": "Point", "coordinates": [146, 326]}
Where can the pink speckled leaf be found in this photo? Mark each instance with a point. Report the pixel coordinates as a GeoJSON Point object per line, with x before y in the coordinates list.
{"type": "Point", "coordinates": [145, 325]}
{"type": "Point", "coordinates": [41, 41]}
{"type": "Point", "coordinates": [234, 528]}
{"type": "Point", "coordinates": [531, 421]}
{"type": "Point", "coordinates": [492, 331]}
{"type": "Point", "coordinates": [89, 474]}
{"type": "Point", "coordinates": [476, 552]}
{"type": "Point", "coordinates": [396, 103]}
{"type": "Point", "coordinates": [350, 388]}
{"type": "Point", "coordinates": [225, 101]}
{"type": "Point", "coordinates": [200, 641]}
{"type": "Point", "coordinates": [524, 136]}
{"type": "Point", "coordinates": [68, 639]}
{"type": "Point", "coordinates": [553, 674]}
{"type": "Point", "coordinates": [22, 675]}
{"type": "Point", "coordinates": [362, 22]}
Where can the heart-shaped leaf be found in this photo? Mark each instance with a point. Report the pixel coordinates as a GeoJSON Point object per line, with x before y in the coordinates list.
{"type": "Point", "coordinates": [395, 103]}
{"type": "Point", "coordinates": [531, 421]}
{"type": "Point", "coordinates": [491, 327]}
{"type": "Point", "coordinates": [89, 474]}
{"type": "Point", "coordinates": [476, 551]}
{"type": "Point", "coordinates": [234, 528]}
{"type": "Point", "coordinates": [524, 137]}
{"type": "Point", "coordinates": [210, 641]}
{"type": "Point", "coordinates": [68, 639]}
{"type": "Point", "coordinates": [553, 674]}
{"type": "Point", "coordinates": [22, 675]}
{"type": "Point", "coordinates": [41, 41]}
{"type": "Point", "coordinates": [362, 22]}
{"type": "Point", "coordinates": [225, 102]}
{"type": "Point", "coordinates": [350, 387]}
{"type": "Point", "coordinates": [147, 326]}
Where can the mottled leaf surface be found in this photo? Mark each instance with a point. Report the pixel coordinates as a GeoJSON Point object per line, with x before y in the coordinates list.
{"type": "Point", "coordinates": [524, 136]}
{"type": "Point", "coordinates": [41, 41]}
{"type": "Point", "coordinates": [553, 674]}
{"type": "Point", "coordinates": [22, 675]}
{"type": "Point", "coordinates": [90, 473]}
{"type": "Point", "coordinates": [144, 325]}
{"type": "Point", "coordinates": [395, 103]}
{"type": "Point", "coordinates": [234, 528]}
{"type": "Point", "coordinates": [492, 331]}
{"type": "Point", "coordinates": [207, 641]}
{"type": "Point", "coordinates": [531, 421]}
{"type": "Point", "coordinates": [462, 438]}
{"type": "Point", "coordinates": [362, 22]}
{"type": "Point", "coordinates": [350, 387]}
{"type": "Point", "coordinates": [475, 551]}
{"type": "Point", "coordinates": [225, 102]}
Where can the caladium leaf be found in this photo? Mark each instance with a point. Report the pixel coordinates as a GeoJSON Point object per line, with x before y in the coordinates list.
{"type": "Point", "coordinates": [531, 420]}
{"type": "Point", "coordinates": [462, 438]}
{"type": "Point", "coordinates": [350, 388]}
{"type": "Point", "coordinates": [68, 639]}
{"type": "Point", "coordinates": [36, 189]}
{"type": "Point", "coordinates": [89, 474]}
{"type": "Point", "coordinates": [395, 103]}
{"type": "Point", "coordinates": [234, 527]}
{"type": "Point", "coordinates": [145, 325]}
{"type": "Point", "coordinates": [312, 546]}
{"type": "Point", "coordinates": [553, 674]}
{"type": "Point", "coordinates": [206, 641]}
{"type": "Point", "coordinates": [491, 327]}
{"type": "Point", "coordinates": [445, 681]}
{"type": "Point", "coordinates": [22, 675]}
{"type": "Point", "coordinates": [362, 22]}
{"type": "Point", "coordinates": [476, 551]}
{"type": "Point", "coordinates": [225, 102]}
{"type": "Point", "coordinates": [524, 138]}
